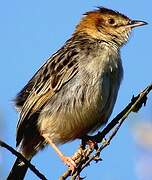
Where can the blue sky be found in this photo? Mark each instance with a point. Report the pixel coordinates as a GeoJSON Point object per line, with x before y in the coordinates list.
{"type": "Point", "coordinates": [30, 32]}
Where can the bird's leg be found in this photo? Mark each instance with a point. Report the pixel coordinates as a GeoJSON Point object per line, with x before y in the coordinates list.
{"type": "Point", "coordinates": [67, 160]}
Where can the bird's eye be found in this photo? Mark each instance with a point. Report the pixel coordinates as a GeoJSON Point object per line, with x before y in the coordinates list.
{"type": "Point", "coordinates": [111, 21]}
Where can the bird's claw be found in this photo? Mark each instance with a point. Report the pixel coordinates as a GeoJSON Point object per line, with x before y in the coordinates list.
{"type": "Point", "coordinates": [70, 163]}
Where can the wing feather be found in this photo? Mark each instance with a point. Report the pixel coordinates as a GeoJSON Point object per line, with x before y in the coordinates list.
{"type": "Point", "coordinates": [51, 77]}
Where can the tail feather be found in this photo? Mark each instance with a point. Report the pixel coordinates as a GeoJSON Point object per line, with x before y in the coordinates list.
{"type": "Point", "coordinates": [18, 171]}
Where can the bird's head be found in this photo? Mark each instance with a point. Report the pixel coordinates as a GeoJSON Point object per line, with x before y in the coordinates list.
{"type": "Point", "coordinates": [108, 25]}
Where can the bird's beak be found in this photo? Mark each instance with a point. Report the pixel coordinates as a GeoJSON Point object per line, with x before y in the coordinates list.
{"type": "Point", "coordinates": [136, 23]}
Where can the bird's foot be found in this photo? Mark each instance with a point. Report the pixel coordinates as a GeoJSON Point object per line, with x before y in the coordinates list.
{"type": "Point", "coordinates": [69, 162]}
{"type": "Point", "coordinates": [92, 144]}
{"type": "Point", "coordinates": [90, 141]}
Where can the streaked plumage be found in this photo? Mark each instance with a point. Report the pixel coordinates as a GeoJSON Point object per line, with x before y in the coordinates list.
{"type": "Point", "coordinates": [74, 92]}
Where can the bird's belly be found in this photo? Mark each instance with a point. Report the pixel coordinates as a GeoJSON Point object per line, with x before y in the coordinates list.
{"type": "Point", "coordinates": [77, 115]}
{"type": "Point", "coordinates": [66, 127]}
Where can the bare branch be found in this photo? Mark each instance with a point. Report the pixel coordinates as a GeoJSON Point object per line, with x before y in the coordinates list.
{"type": "Point", "coordinates": [84, 155]}
{"type": "Point", "coordinates": [19, 155]}
{"type": "Point", "coordinates": [113, 127]}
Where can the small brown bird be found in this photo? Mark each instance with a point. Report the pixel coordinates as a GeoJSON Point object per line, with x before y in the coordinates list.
{"type": "Point", "coordinates": [74, 92]}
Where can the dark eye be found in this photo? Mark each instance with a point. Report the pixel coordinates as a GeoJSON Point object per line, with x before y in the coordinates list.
{"type": "Point", "coordinates": [111, 21]}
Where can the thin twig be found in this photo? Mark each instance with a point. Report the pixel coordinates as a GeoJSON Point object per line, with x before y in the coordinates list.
{"type": "Point", "coordinates": [19, 155]}
{"type": "Point", "coordinates": [84, 160]}
{"type": "Point", "coordinates": [134, 106]}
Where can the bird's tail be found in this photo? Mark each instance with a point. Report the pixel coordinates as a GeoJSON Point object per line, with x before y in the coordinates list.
{"type": "Point", "coordinates": [18, 170]}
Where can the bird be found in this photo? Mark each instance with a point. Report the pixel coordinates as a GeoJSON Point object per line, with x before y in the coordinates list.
{"type": "Point", "coordinates": [74, 92]}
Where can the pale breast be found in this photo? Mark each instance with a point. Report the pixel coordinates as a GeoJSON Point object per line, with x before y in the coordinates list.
{"type": "Point", "coordinates": [85, 103]}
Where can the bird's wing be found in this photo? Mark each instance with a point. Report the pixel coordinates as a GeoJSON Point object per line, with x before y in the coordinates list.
{"type": "Point", "coordinates": [51, 77]}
